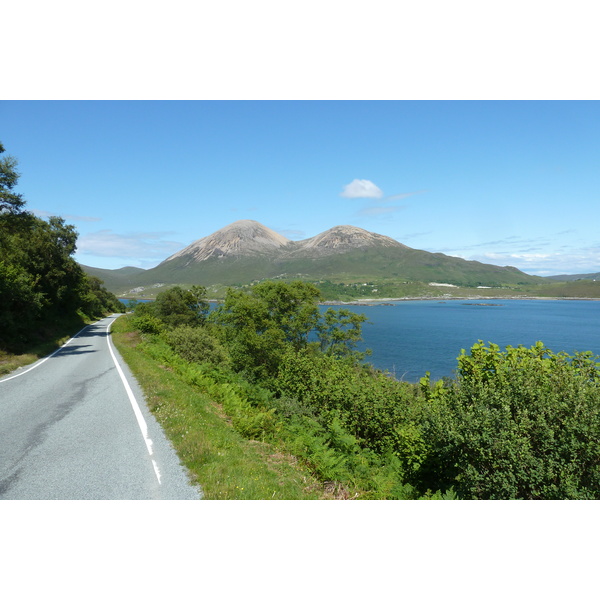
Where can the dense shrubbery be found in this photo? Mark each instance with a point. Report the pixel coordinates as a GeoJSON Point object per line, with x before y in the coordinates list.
{"type": "Point", "coordinates": [523, 423]}
{"type": "Point", "coordinates": [377, 410]}
{"type": "Point", "coordinates": [520, 423]}
{"type": "Point", "coordinates": [197, 345]}
{"type": "Point", "coordinates": [41, 285]}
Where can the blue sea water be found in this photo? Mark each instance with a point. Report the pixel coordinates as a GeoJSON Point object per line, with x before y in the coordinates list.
{"type": "Point", "coordinates": [412, 337]}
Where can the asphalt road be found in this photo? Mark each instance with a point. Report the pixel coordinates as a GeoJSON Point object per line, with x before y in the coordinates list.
{"type": "Point", "coordinates": [74, 426]}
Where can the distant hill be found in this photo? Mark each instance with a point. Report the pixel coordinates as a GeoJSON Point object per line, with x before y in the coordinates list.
{"type": "Point", "coordinates": [592, 276]}
{"type": "Point", "coordinates": [246, 251]}
{"type": "Point", "coordinates": [115, 280]}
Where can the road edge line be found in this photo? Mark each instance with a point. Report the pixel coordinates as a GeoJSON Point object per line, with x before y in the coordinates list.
{"type": "Point", "coordinates": [134, 404]}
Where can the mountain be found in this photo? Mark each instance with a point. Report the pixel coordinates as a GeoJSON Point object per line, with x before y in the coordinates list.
{"type": "Point", "coordinates": [343, 238]}
{"type": "Point", "coordinates": [250, 238]}
{"type": "Point", "coordinates": [246, 251]}
{"type": "Point", "coordinates": [242, 238]}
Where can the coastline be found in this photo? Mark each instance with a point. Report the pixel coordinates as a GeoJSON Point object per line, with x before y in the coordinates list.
{"type": "Point", "coordinates": [387, 301]}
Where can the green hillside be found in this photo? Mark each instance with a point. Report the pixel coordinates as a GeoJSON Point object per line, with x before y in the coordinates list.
{"type": "Point", "coordinates": [592, 276]}
{"type": "Point", "coordinates": [349, 267]}
{"type": "Point", "coordinates": [117, 281]}
{"type": "Point", "coordinates": [582, 288]}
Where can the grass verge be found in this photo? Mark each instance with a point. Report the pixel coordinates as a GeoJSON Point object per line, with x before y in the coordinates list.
{"type": "Point", "coordinates": [226, 465]}
{"type": "Point", "coordinates": [48, 339]}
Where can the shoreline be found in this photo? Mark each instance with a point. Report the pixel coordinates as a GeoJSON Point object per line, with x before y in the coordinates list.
{"type": "Point", "coordinates": [383, 301]}
{"type": "Point", "coordinates": [380, 301]}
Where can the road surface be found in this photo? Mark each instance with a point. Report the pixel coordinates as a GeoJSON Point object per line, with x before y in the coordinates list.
{"type": "Point", "coordinates": [74, 426]}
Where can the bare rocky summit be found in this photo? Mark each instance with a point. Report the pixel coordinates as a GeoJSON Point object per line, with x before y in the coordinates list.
{"type": "Point", "coordinates": [251, 238]}
{"type": "Point", "coordinates": [242, 238]}
{"type": "Point", "coordinates": [344, 238]}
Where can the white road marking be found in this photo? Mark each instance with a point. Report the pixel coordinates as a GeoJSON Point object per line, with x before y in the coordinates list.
{"type": "Point", "coordinates": [134, 404]}
{"type": "Point", "coordinates": [41, 362]}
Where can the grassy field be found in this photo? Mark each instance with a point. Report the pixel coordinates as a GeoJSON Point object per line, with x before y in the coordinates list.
{"type": "Point", "coordinates": [225, 465]}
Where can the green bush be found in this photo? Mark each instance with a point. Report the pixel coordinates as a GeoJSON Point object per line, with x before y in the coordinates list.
{"type": "Point", "coordinates": [380, 412]}
{"type": "Point", "coordinates": [523, 423]}
{"type": "Point", "coordinates": [147, 323]}
{"type": "Point", "coordinates": [196, 344]}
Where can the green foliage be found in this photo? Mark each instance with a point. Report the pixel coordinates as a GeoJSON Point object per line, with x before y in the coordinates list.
{"type": "Point", "coordinates": [96, 300]}
{"type": "Point", "coordinates": [147, 323]}
{"type": "Point", "coordinates": [173, 309]}
{"type": "Point", "coordinates": [10, 202]}
{"type": "Point", "coordinates": [177, 306]}
{"type": "Point", "coordinates": [334, 455]}
{"type": "Point", "coordinates": [197, 345]}
{"type": "Point", "coordinates": [40, 283]}
{"type": "Point", "coordinates": [258, 325]}
{"type": "Point", "coordinates": [349, 422]}
{"type": "Point", "coordinates": [519, 423]}
{"type": "Point", "coordinates": [379, 412]}
{"type": "Point", "coordinates": [291, 307]}
{"type": "Point", "coordinates": [20, 304]}
{"type": "Point", "coordinates": [252, 421]}
{"type": "Point", "coordinates": [339, 331]}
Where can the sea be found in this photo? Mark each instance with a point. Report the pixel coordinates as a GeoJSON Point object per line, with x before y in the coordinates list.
{"type": "Point", "coordinates": [409, 338]}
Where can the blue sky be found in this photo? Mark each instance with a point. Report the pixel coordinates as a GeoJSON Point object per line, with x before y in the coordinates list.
{"type": "Point", "coordinates": [504, 182]}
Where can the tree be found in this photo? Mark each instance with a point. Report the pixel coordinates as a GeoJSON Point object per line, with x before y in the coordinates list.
{"type": "Point", "coordinates": [245, 326]}
{"type": "Point", "coordinates": [177, 306]}
{"type": "Point", "coordinates": [10, 202]}
{"type": "Point", "coordinates": [97, 300]}
{"type": "Point", "coordinates": [339, 331]}
{"type": "Point", "coordinates": [20, 304]}
{"type": "Point", "coordinates": [46, 254]}
{"type": "Point", "coordinates": [292, 307]}
{"type": "Point", "coordinates": [41, 284]}
{"type": "Point", "coordinates": [259, 324]}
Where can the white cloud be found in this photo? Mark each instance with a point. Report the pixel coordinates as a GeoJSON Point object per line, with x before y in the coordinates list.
{"type": "Point", "coordinates": [67, 218]}
{"type": "Point", "coordinates": [577, 260]}
{"type": "Point", "coordinates": [105, 243]}
{"type": "Point", "coordinates": [361, 188]}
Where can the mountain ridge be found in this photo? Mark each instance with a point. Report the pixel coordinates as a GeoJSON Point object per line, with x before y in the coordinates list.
{"type": "Point", "coordinates": [247, 251]}
{"type": "Point", "coordinates": [247, 237]}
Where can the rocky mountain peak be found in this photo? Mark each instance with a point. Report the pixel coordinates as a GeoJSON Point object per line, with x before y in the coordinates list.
{"type": "Point", "coordinates": [346, 237]}
{"type": "Point", "coordinates": [242, 238]}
